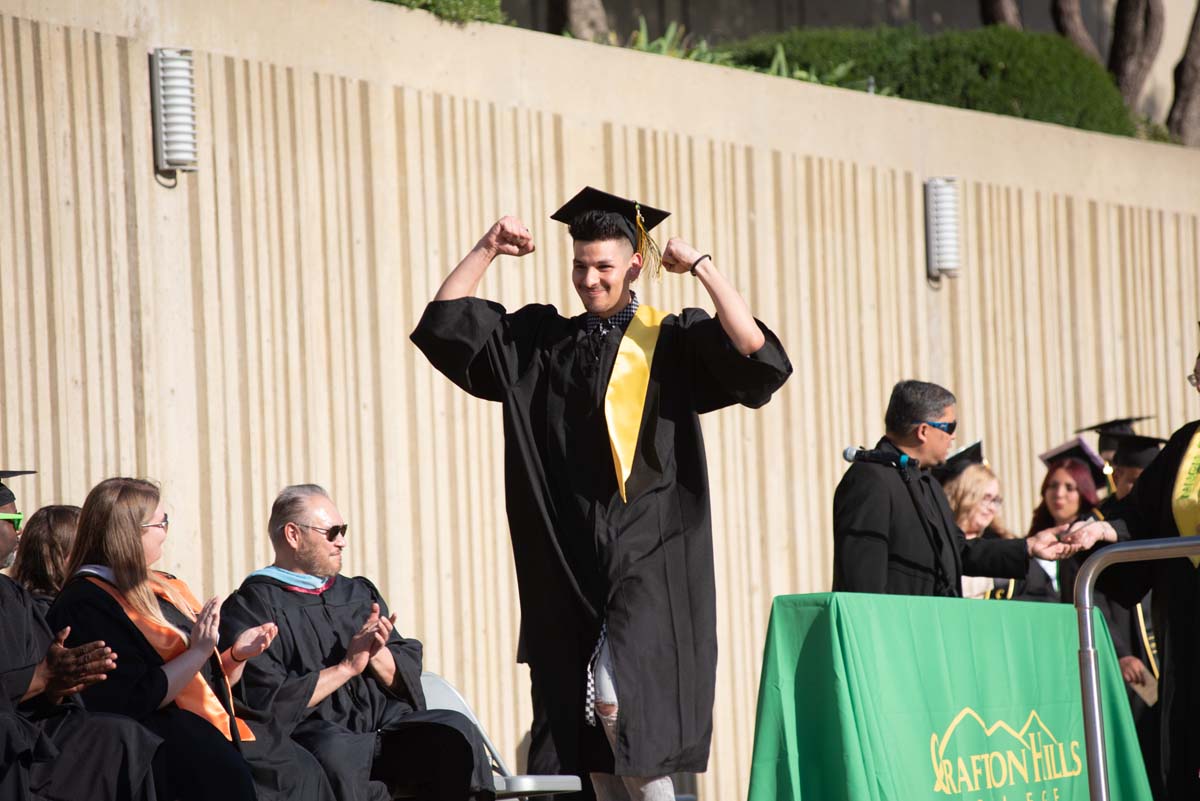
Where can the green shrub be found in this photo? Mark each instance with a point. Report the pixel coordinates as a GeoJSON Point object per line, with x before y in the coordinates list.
{"type": "Point", "coordinates": [457, 10]}
{"type": "Point", "coordinates": [996, 69]}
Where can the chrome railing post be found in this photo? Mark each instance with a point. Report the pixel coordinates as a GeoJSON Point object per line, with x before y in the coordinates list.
{"type": "Point", "coordinates": [1089, 666]}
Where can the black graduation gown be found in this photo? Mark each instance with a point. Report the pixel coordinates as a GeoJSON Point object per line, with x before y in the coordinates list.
{"type": "Point", "coordinates": [1147, 514]}
{"type": "Point", "coordinates": [65, 751]}
{"type": "Point", "coordinates": [368, 737]}
{"type": "Point", "coordinates": [880, 544]}
{"type": "Point", "coordinates": [585, 557]}
{"type": "Point", "coordinates": [201, 763]}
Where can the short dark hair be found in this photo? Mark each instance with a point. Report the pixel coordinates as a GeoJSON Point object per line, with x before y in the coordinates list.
{"type": "Point", "coordinates": [599, 226]}
{"type": "Point", "coordinates": [914, 402]}
{"type": "Point", "coordinates": [289, 504]}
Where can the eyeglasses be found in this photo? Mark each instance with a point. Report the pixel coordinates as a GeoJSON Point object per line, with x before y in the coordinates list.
{"type": "Point", "coordinates": [1194, 379]}
{"type": "Point", "coordinates": [993, 501]}
{"type": "Point", "coordinates": [16, 518]}
{"type": "Point", "coordinates": [331, 533]}
{"type": "Point", "coordinates": [947, 427]}
{"type": "Point", "coordinates": [161, 524]}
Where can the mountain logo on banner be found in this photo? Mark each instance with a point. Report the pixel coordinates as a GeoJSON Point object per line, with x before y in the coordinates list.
{"type": "Point", "coordinates": [974, 757]}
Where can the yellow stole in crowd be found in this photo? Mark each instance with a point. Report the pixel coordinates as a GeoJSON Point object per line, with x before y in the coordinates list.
{"type": "Point", "coordinates": [625, 399]}
{"type": "Point", "coordinates": [1185, 499]}
{"type": "Point", "coordinates": [196, 696]}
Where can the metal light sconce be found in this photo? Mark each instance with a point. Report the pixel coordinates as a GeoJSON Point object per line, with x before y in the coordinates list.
{"type": "Point", "coordinates": [943, 255]}
{"type": "Point", "coordinates": [173, 100]}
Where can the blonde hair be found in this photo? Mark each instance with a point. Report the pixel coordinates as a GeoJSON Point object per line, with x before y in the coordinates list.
{"type": "Point", "coordinates": [110, 534]}
{"type": "Point", "coordinates": [965, 492]}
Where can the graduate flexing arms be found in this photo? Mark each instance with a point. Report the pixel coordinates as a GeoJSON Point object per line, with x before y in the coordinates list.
{"type": "Point", "coordinates": [606, 481]}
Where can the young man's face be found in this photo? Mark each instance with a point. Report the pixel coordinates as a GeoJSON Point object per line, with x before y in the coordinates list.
{"type": "Point", "coordinates": [602, 272]}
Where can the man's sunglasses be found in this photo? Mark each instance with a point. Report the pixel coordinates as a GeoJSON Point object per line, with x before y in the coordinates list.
{"type": "Point", "coordinates": [331, 533]}
{"type": "Point", "coordinates": [16, 518]}
{"type": "Point", "coordinates": [947, 427]}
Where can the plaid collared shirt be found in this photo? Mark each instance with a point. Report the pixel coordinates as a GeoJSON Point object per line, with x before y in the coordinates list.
{"type": "Point", "coordinates": [619, 320]}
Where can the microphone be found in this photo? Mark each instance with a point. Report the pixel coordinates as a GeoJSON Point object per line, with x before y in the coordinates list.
{"type": "Point", "coordinates": [897, 460]}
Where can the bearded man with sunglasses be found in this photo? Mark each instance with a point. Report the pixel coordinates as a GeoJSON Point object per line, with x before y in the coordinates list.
{"type": "Point", "coordinates": [893, 531]}
{"type": "Point", "coordinates": [338, 678]}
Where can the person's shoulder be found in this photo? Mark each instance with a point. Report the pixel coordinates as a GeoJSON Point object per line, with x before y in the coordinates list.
{"type": "Point", "coordinates": [1184, 435]}
{"type": "Point", "coordinates": [356, 585]}
{"type": "Point", "coordinates": [11, 591]}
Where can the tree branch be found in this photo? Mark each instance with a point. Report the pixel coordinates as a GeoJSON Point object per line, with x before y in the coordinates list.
{"type": "Point", "coordinates": [1137, 36]}
{"type": "Point", "coordinates": [1001, 12]}
{"type": "Point", "coordinates": [1184, 119]}
{"type": "Point", "coordinates": [1068, 20]}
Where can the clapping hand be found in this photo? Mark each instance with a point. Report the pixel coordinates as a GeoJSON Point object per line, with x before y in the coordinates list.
{"type": "Point", "coordinates": [368, 641]}
{"type": "Point", "coordinates": [206, 629]}
{"type": "Point", "coordinates": [252, 642]}
{"type": "Point", "coordinates": [66, 671]}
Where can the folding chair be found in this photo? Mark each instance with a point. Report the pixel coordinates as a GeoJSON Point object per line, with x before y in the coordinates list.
{"type": "Point", "coordinates": [440, 694]}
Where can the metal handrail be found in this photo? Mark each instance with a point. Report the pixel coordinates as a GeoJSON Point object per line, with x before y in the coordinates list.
{"type": "Point", "coordinates": [1089, 668]}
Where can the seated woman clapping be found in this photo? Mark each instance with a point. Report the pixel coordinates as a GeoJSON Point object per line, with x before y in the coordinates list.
{"type": "Point", "coordinates": [170, 676]}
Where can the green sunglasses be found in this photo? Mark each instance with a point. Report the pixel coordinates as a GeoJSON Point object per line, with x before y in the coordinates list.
{"type": "Point", "coordinates": [16, 518]}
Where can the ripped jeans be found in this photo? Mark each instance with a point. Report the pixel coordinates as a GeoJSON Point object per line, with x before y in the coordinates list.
{"type": "Point", "coordinates": [608, 786]}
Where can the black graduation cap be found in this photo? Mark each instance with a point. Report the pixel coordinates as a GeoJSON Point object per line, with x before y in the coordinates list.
{"type": "Point", "coordinates": [1079, 449]}
{"type": "Point", "coordinates": [6, 495]}
{"type": "Point", "coordinates": [1122, 425]}
{"type": "Point", "coordinates": [959, 461]}
{"type": "Point", "coordinates": [635, 219]}
{"type": "Point", "coordinates": [1135, 450]}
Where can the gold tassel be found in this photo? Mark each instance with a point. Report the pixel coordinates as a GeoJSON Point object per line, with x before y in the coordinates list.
{"type": "Point", "coordinates": [647, 247]}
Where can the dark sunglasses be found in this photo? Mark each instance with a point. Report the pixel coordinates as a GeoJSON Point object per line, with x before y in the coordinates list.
{"type": "Point", "coordinates": [947, 427]}
{"type": "Point", "coordinates": [331, 533]}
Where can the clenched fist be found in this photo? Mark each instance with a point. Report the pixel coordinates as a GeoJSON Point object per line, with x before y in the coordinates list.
{"type": "Point", "coordinates": [508, 237]}
{"type": "Point", "coordinates": [678, 256]}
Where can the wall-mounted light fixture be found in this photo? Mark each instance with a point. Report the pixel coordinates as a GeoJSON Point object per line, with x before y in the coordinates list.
{"type": "Point", "coordinates": [173, 100]}
{"type": "Point", "coordinates": [942, 237]}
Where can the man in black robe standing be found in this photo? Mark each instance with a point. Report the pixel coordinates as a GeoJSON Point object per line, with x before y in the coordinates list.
{"type": "Point", "coordinates": [50, 747]}
{"type": "Point", "coordinates": [606, 481]}
{"type": "Point", "coordinates": [893, 530]}
{"type": "Point", "coordinates": [338, 678]}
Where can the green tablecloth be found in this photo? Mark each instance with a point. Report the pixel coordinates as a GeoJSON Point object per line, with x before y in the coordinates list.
{"type": "Point", "coordinates": [920, 699]}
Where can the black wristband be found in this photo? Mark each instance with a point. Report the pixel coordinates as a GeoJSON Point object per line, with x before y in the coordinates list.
{"type": "Point", "coordinates": [697, 261]}
{"type": "Point", "coordinates": [235, 659]}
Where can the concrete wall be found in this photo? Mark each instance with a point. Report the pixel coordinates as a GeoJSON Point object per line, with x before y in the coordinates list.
{"type": "Point", "coordinates": [724, 20]}
{"type": "Point", "coordinates": [246, 326]}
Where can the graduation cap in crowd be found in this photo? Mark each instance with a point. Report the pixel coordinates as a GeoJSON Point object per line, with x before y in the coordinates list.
{"type": "Point", "coordinates": [636, 220]}
{"type": "Point", "coordinates": [959, 461]}
{"type": "Point", "coordinates": [1079, 449]}
{"type": "Point", "coordinates": [1108, 428]}
{"type": "Point", "coordinates": [6, 495]}
{"type": "Point", "coordinates": [1135, 450]}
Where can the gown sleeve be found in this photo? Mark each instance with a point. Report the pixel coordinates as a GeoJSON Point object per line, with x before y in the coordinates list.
{"type": "Point", "coordinates": [137, 686]}
{"type": "Point", "coordinates": [19, 651]}
{"type": "Point", "coordinates": [988, 557]}
{"type": "Point", "coordinates": [479, 346]}
{"type": "Point", "coordinates": [861, 525]}
{"type": "Point", "coordinates": [1138, 516]}
{"type": "Point", "coordinates": [720, 375]}
{"type": "Point", "coordinates": [267, 690]}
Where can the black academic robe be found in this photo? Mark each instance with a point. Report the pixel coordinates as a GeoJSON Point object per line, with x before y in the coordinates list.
{"type": "Point", "coordinates": [1147, 514]}
{"type": "Point", "coordinates": [201, 763]}
{"type": "Point", "coordinates": [885, 542]}
{"type": "Point", "coordinates": [371, 740]}
{"type": "Point", "coordinates": [583, 556]}
{"type": "Point", "coordinates": [64, 751]}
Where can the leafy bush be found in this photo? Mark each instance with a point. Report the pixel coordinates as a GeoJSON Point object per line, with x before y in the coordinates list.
{"type": "Point", "coordinates": [458, 10]}
{"type": "Point", "coordinates": [996, 69]}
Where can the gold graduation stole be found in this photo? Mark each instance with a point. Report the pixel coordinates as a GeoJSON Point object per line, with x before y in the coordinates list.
{"type": "Point", "coordinates": [625, 399]}
{"type": "Point", "coordinates": [1185, 499]}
